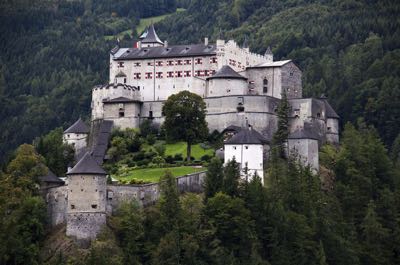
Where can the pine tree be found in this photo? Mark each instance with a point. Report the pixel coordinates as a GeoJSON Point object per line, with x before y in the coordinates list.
{"type": "Point", "coordinates": [281, 135]}
{"type": "Point", "coordinates": [230, 184]}
{"type": "Point", "coordinates": [214, 178]}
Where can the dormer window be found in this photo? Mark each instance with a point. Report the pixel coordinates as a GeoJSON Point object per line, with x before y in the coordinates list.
{"type": "Point", "coordinates": [198, 61]}
{"type": "Point", "coordinates": [121, 64]}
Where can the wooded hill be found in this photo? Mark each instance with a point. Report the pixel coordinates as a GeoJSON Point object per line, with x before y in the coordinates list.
{"type": "Point", "coordinates": [51, 57]}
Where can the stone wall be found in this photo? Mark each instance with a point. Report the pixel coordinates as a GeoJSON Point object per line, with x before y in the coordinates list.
{"type": "Point", "coordinates": [147, 194]}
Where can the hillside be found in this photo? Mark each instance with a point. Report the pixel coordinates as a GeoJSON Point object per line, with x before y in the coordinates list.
{"type": "Point", "coordinates": [53, 52]}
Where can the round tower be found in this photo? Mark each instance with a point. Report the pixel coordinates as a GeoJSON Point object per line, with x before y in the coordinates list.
{"type": "Point", "coordinates": [226, 82]}
{"type": "Point", "coordinates": [86, 210]}
{"type": "Point", "coordinates": [77, 135]}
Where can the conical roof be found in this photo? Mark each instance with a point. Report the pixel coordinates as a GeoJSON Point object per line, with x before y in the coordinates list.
{"type": "Point", "coordinates": [268, 51]}
{"type": "Point", "coordinates": [78, 127]}
{"type": "Point", "coordinates": [151, 36]}
{"type": "Point", "coordinates": [87, 165]}
{"type": "Point", "coordinates": [227, 72]}
{"type": "Point", "coordinates": [50, 177]}
{"type": "Point", "coordinates": [247, 136]}
{"type": "Point", "coordinates": [329, 111]}
{"type": "Point", "coordinates": [120, 74]}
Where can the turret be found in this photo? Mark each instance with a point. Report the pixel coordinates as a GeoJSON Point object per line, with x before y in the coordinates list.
{"type": "Point", "coordinates": [226, 82]}
{"type": "Point", "coordinates": [150, 38]}
{"type": "Point", "coordinates": [76, 135]}
{"type": "Point", "coordinates": [86, 210]}
{"type": "Point", "coordinates": [269, 56]}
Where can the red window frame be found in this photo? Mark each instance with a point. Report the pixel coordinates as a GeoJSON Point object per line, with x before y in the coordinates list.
{"type": "Point", "coordinates": [149, 75]}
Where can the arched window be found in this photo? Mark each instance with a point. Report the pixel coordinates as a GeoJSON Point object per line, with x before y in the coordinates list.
{"type": "Point", "coordinates": [265, 85]}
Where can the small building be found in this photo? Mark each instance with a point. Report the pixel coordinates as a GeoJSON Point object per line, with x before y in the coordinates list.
{"type": "Point", "coordinates": [77, 136]}
{"type": "Point", "coordinates": [247, 148]}
{"type": "Point", "coordinates": [50, 180]}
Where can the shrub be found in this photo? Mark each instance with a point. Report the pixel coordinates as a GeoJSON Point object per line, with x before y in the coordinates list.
{"type": "Point", "coordinates": [206, 158]}
{"type": "Point", "coordinates": [178, 157]}
{"type": "Point", "coordinates": [160, 149]}
{"type": "Point", "coordinates": [169, 159]}
{"type": "Point", "coordinates": [151, 139]}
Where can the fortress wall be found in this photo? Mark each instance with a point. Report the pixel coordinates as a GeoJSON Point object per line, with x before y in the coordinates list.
{"type": "Point", "coordinates": [148, 194]}
{"type": "Point", "coordinates": [291, 80]}
{"type": "Point", "coordinates": [85, 225]}
{"type": "Point", "coordinates": [131, 114]}
{"type": "Point", "coordinates": [57, 201]}
{"type": "Point", "coordinates": [256, 76]}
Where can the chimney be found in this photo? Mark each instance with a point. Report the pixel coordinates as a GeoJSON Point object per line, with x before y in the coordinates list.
{"type": "Point", "coordinates": [206, 41]}
{"type": "Point", "coordinates": [165, 44]}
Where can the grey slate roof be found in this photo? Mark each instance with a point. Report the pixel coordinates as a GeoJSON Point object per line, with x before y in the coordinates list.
{"type": "Point", "coordinates": [329, 111]}
{"type": "Point", "coordinates": [167, 52]}
{"type": "Point", "coordinates": [227, 72]}
{"type": "Point", "coordinates": [120, 100]}
{"type": "Point", "coordinates": [87, 165]}
{"type": "Point", "coordinates": [151, 36]}
{"type": "Point", "coordinates": [101, 136]}
{"type": "Point", "coordinates": [78, 127]}
{"type": "Point", "coordinates": [247, 136]}
{"type": "Point", "coordinates": [268, 51]}
{"type": "Point", "coordinates": [50, 177]}
{"type": "Point", "coordinates": [113, 85]}
{"type": "Point", "coordinates": [233, 128]}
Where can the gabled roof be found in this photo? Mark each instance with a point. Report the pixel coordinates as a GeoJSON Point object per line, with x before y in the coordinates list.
{"type": "Point", "coordinates": [227, 72]}
{"type": "Point", "coordinates": [271, 64]}
{"type": "Point", "coordinates": [232, 128]}
{"type": "Point", "coordinates": [247, 136]}
{"type": "Point", "coordinates": [78, 127]}
{"type": "Point", "coordinates": [151, 36]}
{"type": "Point", "coordinates": [120, 100]}
{"type": "Point", "coordinates": [87, 165]}
{"type": "Point", "coordinates": [51, 177]}
{"type": "Point", "coordinates": [172, 51]}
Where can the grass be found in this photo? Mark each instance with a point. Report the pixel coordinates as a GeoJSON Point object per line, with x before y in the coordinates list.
{"type": "Point", "coordinates": [180, 148]}
{"type": "Point", "coordinates": [145, 22]}
{"type": "Point", "coordinates": [154, 174]}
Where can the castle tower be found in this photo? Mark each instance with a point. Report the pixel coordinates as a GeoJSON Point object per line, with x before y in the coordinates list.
{"type": "Point", "coordinates": [86, 210]}
{"type": "Point", "coordinates": [150, 38]}
{"type": "Point", "coordinates": [269, 55]}
{"type": "Point", "coordinates": [76, 135]}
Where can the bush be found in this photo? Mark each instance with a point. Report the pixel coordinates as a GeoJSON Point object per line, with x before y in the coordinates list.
{"type": "Point", "coordinates": [139, 156]}
{"type": "Point", "coordinates": [150, 154]}
{"type": "Point", "coordinates": [178, 157]}
{"type": "Point", "coordinates": [160, 149]}
{"type": "Point", "coordinates": [143, 162]}
{"type": "Point", "coordinates": [151, 139]}
{"type": "Point", "coordinates": [206, 158]}
{"type": "Point", "coordinates": [169, 159]}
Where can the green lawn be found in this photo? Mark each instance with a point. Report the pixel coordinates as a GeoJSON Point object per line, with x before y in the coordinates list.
{"type": "Point", "coordinates": [144, 22]}
{"type": "Point", "coordinates": [154, 174]}
{"type": "Point", "coordinates": [180, 148]}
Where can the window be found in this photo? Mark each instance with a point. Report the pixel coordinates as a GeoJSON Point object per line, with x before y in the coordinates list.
{"type": "Point", "coordinates": [72, 206]}
{"type": "Point", "coordinates": [159, 63]}
{"type": "Point", "coordinates": [265, 85]}
{"type": "Point", "coordinates": [318, 115]}
{"type": "Point", "coordinates": [234, 148]}
{"type": "Point", "coordinates": [121, 113]}
{"type": "Point", "coordinates": [178, 62]}
{"type": "Point", "coordinates": [124, 80]}
{"type": "Point", "coordinates": [188, 62]}
{"type": "Point", "coordinates": [150, 114]}
{"type": "Point", "coordinates": [198, 61]}
{"type": "Point", "coordinates": [329, 129]}
{"type": "Point", "coordinates": [246, 147]}
{"type": "Point", "coordinates": [187, 73]}
{"type": "Point", "coordinates": [178, 73]}
{"type": "Point", "coordinates": [150, 63]}
{"type": "Point", "coordinates": [240, 100]}
{"type": "Point", "coordinates": [94, 206]}
{"type": "Point", "coordinates": [121, 64]}
{"type": "Point", "coordinates": [232, 62]}
{"type": "Point", "coordinates": [149, 75]}
{"type": "Point", "coordinates": [137, 64]}
{"type": "Point", "coordinates": [199, 73]}
{"type": "Point", "coordinates": [170, 62]}
{"type": "Point", "coordinates": [291, 73]}
{"type": "Point", "coordinates": [136, 75]}
{"type": "Point", "coordinates": [159, 75]}
{"type": "Point", "coordinates": [170, 74]}
{"type": "Point", "coordinates": [206, 72]}
{"type": "Point", "coordinates": [213, 60]}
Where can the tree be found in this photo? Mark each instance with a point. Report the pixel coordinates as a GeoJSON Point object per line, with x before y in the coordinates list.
{"type": "Point", "coordinates": [281, 135]}
{"type": "Point", "coordinates": [230, 184]}
{"type": "Point", "coordinates": [214, 178]}
{"type": "Point", "coordinates": [185, 114]}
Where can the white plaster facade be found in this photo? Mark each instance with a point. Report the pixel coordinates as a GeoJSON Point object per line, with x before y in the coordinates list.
{"type": "Point", "coordinates": [76, 140]}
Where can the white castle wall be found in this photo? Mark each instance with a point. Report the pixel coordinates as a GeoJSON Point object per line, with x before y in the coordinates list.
{"type": "Point", "coordinates": [225, 87]}
{"type": "Point", "coordinates": [77, 140]}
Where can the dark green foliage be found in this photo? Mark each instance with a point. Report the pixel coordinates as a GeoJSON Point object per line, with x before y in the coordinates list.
{"type": "Point", "coordinates": [185, 114]}
{"type": "Point", "coordinates": [281, 135]}
{"type": "Point", "coordinates": [214, 178]}
{"type": "Point", "coordinates": [230, 183]}
{"type": "Point", "coordinates": [57, 154]}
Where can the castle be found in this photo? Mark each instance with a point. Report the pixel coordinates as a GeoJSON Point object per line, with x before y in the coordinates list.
{"type": "Point", "coordinates": [241, 90]}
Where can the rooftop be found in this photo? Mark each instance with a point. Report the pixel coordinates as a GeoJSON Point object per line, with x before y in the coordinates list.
{"type": "Point", "coordinates": [271, 64]}
{"type": "Point", "coordinates": [51, 177]}
{"type": "Point", "coordinates": [165, 52]}
{"type": "Point", "coordinates": [227, 72]}
{"type": "Point", "coordinates": [150, 36]}
{"type": "Point", "coordinates": [87, 165]}
{"type": "Point", "coordinates": [119, 100]}
{"type": "Point", "coordinates": [78, 127]}
{"type": "Point", "coordinates": [247, 136]}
